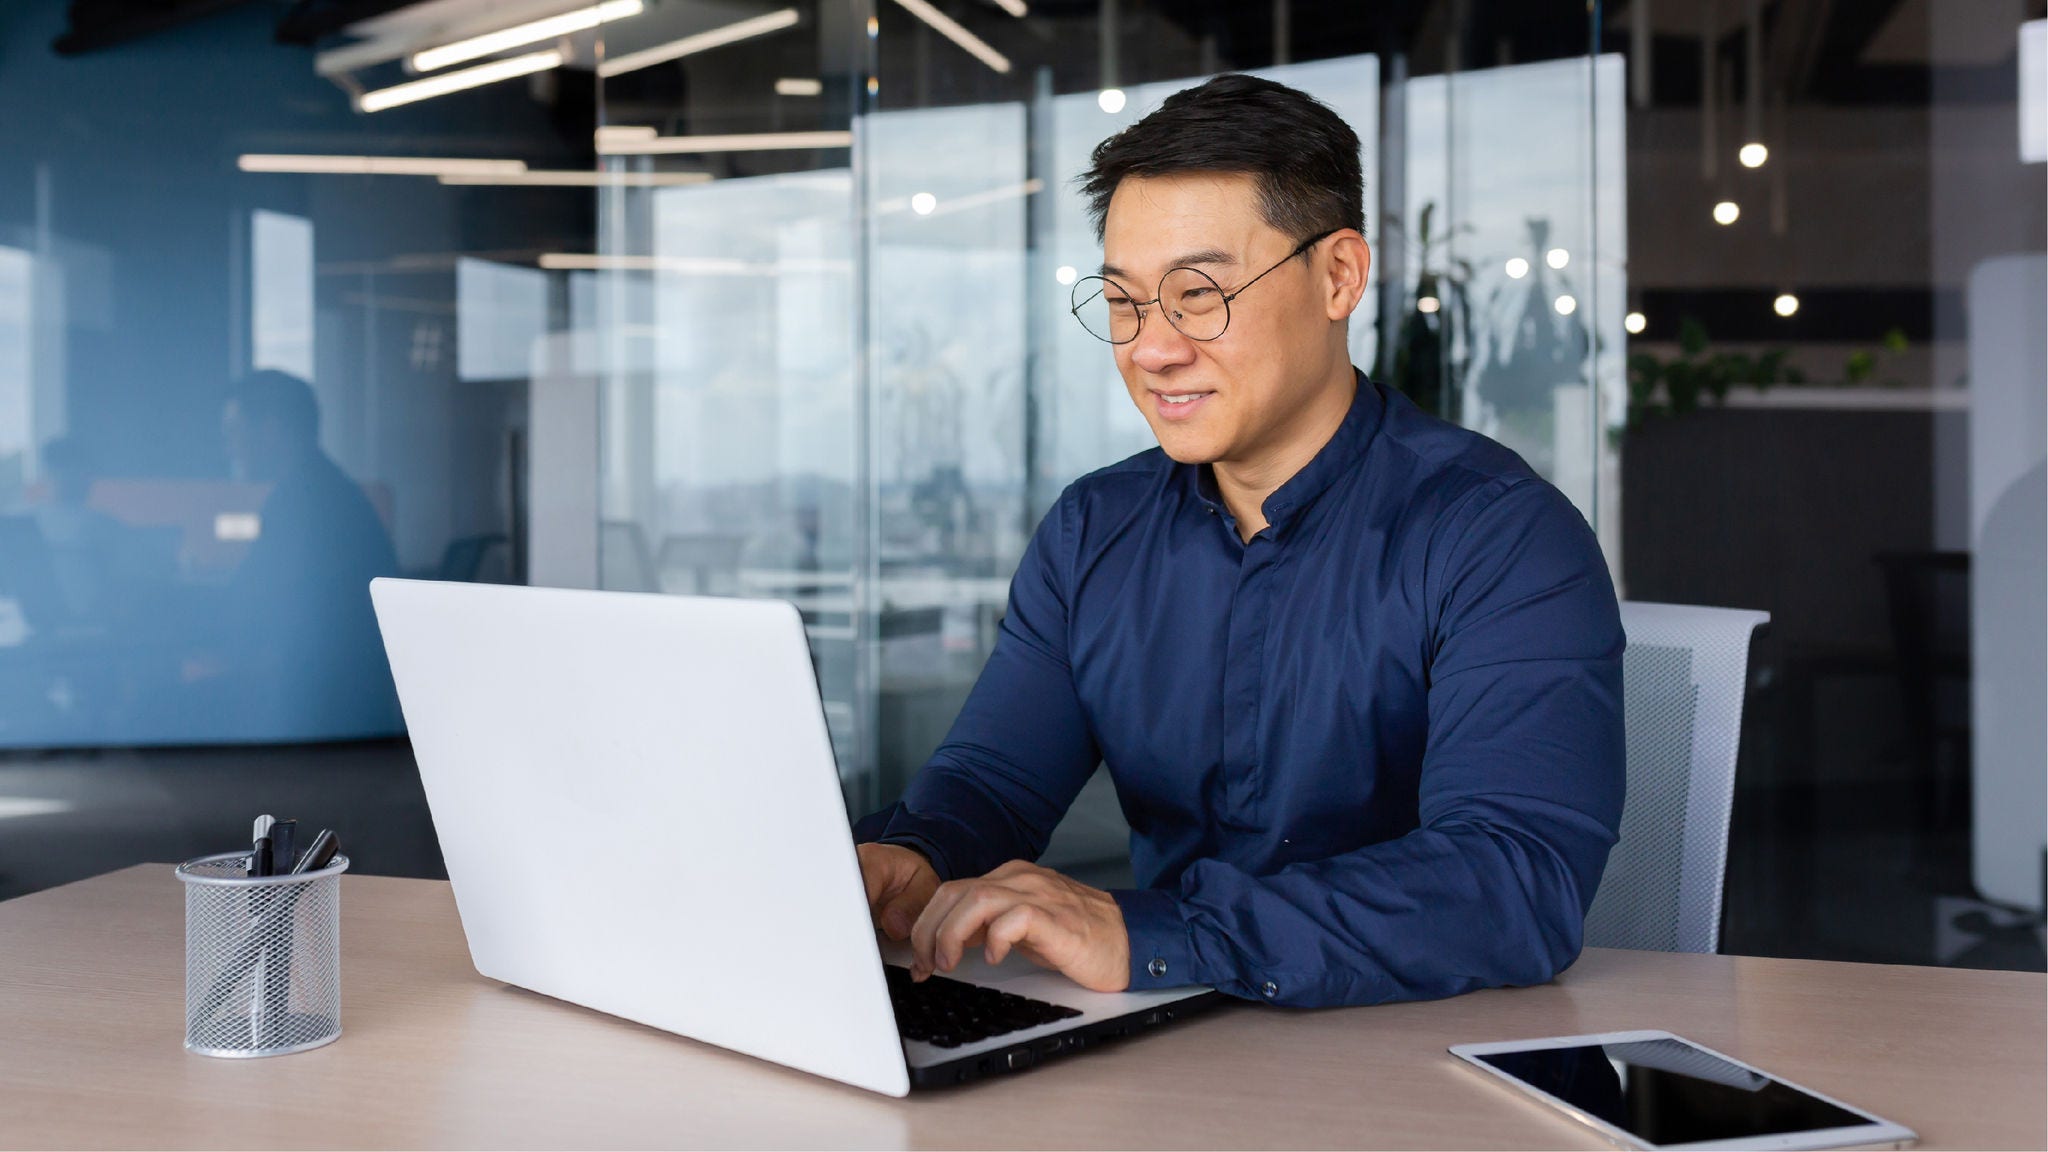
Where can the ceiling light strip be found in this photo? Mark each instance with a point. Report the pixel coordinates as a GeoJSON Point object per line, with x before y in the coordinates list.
{"type": "Point", "coordinates": [750, 142]}
{"type": "Point", "coordinates": [520, 35]}
{"type": "Point", "coordinates": [583, 179]}
{"type": "Point", "coordinates": [447, 82]}
{"type": "Point", "coordinates": [688, 45]}
{"type": "Point", "coordinates": [378, 165]}
{"type": "Point", "coordinates": [946, 26]}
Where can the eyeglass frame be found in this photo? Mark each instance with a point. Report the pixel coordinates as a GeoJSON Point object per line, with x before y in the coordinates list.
{"type": "Point", "coordinates": [1160, 291]}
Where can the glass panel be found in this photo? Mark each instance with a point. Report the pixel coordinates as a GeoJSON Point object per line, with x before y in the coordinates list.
{"type": "Point", "coordinates": [1511, 268]}
{"type": "Point", "coordinates": [1836, 402]}
{"type": "Point", "coordinates": [253, 353]}
{"type": "Point", "coordinates": [723, 290]}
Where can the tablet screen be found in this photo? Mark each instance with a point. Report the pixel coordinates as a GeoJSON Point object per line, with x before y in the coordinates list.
{"type": "Point", "coordinates": [1669, 1092]}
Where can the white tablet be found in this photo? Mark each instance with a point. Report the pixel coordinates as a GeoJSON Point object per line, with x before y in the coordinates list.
{"type": "Point", "coordinates": [1656, 1090]}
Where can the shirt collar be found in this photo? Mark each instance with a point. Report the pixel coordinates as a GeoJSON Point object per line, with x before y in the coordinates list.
{"type": "Point", "coordinates": [1333, 460]}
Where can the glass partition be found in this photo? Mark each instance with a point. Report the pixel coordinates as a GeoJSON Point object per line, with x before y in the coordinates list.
{"type": "Point", "coordinates": [884, 463]}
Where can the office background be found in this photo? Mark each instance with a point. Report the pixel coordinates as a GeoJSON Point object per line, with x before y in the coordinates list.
{"type": "Point", "coordinates": [1757, 283]}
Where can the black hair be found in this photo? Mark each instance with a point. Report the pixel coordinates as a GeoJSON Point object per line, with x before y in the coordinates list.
{"type": "Point", "coordinates": [1304, 156]}
{"type": "Point", "coordinates": [270, 396]}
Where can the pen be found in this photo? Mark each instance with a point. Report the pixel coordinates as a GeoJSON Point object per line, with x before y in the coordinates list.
{"type": "Point", "coordinates": [319, 853]}
{"type": "Point", "coordinates": [259, 855]}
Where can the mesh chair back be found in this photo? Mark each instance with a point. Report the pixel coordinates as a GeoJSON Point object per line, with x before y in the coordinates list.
{"type": "Point", "coordinates": [1682, 681]}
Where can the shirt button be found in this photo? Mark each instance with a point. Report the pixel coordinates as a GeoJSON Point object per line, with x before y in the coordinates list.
{"type": "Point", "coordinates": [1157, 967]}
{"type": "Point", "coordinates": [1270, 990]}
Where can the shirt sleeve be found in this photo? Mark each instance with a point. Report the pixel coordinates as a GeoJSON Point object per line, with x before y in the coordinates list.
{"type": "Point", "coordinates": [1520, 798]}
{"type": "Point", "coordinates": [1021, 748]}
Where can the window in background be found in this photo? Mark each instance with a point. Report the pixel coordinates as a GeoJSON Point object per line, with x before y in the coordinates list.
{"type": "Point", "coordinates": [281, 293]}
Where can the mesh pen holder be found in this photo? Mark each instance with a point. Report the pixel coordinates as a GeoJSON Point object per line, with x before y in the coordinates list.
{"type": "Point", "coordinates": [262, 957]}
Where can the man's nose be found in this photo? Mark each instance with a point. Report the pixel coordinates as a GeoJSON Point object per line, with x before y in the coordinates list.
{"type": "Point", "coordinates": [1160, 346]}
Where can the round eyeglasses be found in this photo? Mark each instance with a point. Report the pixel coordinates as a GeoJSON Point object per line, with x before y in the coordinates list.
{"type": "Point", "coordinates": [1192, 301]}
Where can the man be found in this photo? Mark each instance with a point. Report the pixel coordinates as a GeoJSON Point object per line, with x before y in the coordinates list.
{"type": "Point", "coordinates": [1356, 672]}
{"type": "Point", "coordinates": [304, 658]}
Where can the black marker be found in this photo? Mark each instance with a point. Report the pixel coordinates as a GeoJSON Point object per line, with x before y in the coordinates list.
{"type": "Point", "coordinates": [282, 851]}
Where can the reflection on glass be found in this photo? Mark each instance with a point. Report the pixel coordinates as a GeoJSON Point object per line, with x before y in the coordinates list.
{"type": "Point", "coordinates": [728, 450]}
{"type": "Point", "coordinates": [1527, 257]}
{"type": "Point", "coordinates": [229, 393]}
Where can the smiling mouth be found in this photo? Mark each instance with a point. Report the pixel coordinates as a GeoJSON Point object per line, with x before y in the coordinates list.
{"type": "Point", "coordinates": [1183, 397]}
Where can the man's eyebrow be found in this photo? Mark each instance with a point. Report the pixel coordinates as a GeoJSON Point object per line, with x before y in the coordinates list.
{"type": "Point", "coordinates": [1211, 256]}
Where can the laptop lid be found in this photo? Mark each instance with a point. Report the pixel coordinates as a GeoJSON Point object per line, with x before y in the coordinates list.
{"type": "Point", "coordinates": [640, 813]}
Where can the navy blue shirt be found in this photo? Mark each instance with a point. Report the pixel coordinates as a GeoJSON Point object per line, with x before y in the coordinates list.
{"type": "Point", "coordinates": [1374, 753]}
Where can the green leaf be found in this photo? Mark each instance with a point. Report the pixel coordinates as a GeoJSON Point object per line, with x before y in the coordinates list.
{"type": "Point", "coordinates": [1692, 336]}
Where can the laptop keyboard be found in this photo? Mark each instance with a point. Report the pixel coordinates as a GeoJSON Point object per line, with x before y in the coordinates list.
{"type": "Point", "coordinates": [948, 1013]}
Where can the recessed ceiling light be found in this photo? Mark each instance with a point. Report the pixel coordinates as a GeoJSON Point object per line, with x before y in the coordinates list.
{"type": "Point", "coordinates": [1727, 212]}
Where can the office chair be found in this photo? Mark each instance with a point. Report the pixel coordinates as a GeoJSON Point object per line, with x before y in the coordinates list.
{"type": "Point", "coordinates": [1683, 676]}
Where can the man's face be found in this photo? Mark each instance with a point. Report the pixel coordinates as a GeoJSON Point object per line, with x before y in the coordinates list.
{"type": "Point", "coordinates": [255, 448]}
{"type": "Point", "coordinates": [1238, 396]}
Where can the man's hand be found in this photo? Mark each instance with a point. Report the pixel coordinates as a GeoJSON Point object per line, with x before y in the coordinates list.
{"type": "Point", "coordinates": [1053, 921]}
{"type": "Point", "coordinates": [900, 883]}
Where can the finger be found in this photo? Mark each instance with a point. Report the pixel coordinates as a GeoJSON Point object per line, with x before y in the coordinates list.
{"type": "Point", "coordinates": [965, 922]}
{"type": "Point", "coordinates": [1008, 930]}
{"type": "Point", "coordinates": [925, 931]}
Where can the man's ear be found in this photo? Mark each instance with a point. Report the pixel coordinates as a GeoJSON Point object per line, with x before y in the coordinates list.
{"type": "Point", "coordinates": [1348, 262]}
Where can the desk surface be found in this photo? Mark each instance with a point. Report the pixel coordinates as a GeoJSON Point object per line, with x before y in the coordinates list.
{"type": "Point", "coordinates": [91, 988]}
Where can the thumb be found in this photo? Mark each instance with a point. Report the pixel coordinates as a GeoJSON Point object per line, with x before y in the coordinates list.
{"type": "Point", "coordinates": [901, 911]}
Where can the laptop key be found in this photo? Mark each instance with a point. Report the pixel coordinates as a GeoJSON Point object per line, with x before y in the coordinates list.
{"type": "Point", "coordinates": [947, 1013]}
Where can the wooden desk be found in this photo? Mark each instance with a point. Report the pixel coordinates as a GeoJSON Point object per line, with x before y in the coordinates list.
{"type": "Point", "coordinates": [433, 1055]}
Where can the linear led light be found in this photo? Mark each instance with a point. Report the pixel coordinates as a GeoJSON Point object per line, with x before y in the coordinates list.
{"type": "Point", "coordinates": [689, 265]}
{"type": "Point", "coordinates": [798, 86]}
{"type": "Point", "coordinates": [379, 165]}
{"type": "Point", "coordinates": [625, 132]}
{"type": "Point", "coordinates": [749, 142]}
{"type": "Point", "coordinates": [574, 178]}
{"type": "Point", "coordinates": [416, 90]}
{"type": "Point", "coordinates": [519, 35]}
{"type": "Point", "coordinates": [946, 26]}
{"type": "Point", "coordinates": [688, 45]}
{"type": "Point", "coordinates": [1014, 7]}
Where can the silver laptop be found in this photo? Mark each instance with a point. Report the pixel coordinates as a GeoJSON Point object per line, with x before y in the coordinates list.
{"type": "Point", "coordinates": [640, 813]}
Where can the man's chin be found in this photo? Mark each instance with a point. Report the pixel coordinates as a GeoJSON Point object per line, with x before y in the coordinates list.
{"type": "Point", "coordinates": [1186, 449]}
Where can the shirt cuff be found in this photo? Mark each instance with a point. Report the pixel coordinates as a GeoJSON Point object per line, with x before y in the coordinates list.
{"type": "Point", "coordinates": [919, 845]}
{"type": "Point", "coordinates": [928, 835]}
{"type": "Point", "coordinates": [1162, 954]}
